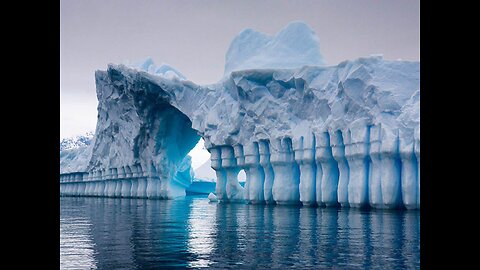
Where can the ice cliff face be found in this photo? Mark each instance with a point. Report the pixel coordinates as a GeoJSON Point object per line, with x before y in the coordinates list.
{"type": "Point", "coordinates": [345, 134]}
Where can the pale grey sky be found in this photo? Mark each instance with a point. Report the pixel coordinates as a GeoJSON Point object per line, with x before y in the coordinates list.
{"type": "Point", "coordinates": [193, 36]}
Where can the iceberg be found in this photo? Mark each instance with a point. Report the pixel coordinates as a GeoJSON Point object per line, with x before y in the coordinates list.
{"type": "Point", "coordinates": [199, 186]}
{"type": "Point", "coordinates": [304, 133]}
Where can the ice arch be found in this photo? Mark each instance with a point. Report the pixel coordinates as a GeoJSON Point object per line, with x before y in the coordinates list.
{"type": "Point", "coordinates": [200, 157]}
{"type": "Point", "coordinates": [143, 136]}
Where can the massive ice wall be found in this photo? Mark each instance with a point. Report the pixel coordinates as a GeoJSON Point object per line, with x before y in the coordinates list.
{"type": "Point", "coordinates": [340, 135]}
{"type": "Point", "coordinates": [347, 134]}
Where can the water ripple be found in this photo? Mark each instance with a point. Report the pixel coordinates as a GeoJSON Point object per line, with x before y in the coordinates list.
{"type": "Point", "coordinates": [190, 233]}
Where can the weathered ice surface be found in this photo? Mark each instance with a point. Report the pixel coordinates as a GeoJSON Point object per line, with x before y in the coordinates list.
{"type": "Point", "coordinates": [344, 135]}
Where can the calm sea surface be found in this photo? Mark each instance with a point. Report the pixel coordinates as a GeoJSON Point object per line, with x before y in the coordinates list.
{"type": "Point", "coordinates": [106, 233]}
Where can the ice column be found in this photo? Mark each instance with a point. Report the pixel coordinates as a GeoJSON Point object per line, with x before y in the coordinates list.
{"type": "Point", "coordinates": [126, 185]}
{"type": "Point", "coordinates": [338, 152]}
{"type": "Point", "coordinates": [133, 189]}
{"type": "Point", "coordinates": [240, 159]}
{"type": "Point", "coordinates": [90, 188]}
{"type": "Point", "coordinates": [129, 171]}
{"type": "Point", "coordinates": [84, 188]}
{"type": "Point", "coordinates": [93, 187]}
{"type": "Point", "coordinates": [286, 181]}
{"type": "Point", "coordinates": [125, 174]}
{"type": "Point", "coordinates": [74, 190]}
{"type": "Point", "coordinates": [375, 180]}
{"type": "Point", "coordinates": [75, 186]}
{"type": "Point", "coordinates": [72, 185]}
{"type": "Point", "coordinates": [357, 144]}
{"type": "Point", "coordinates": [216, 164]}
{"type": "Point", "coordinates": [99, 188]}
{"type": "Point", "coordinates": [106, 179]}
{"type": "Point", "coordinates": [121, 173]}
{"type": "Point", "coordinates": [77, 179]}
{"type": "Point", "coordinates": [328, 167]}
{"type": "Point", "coordinates": [417, 156]}
{"type": "Point", "coordinates": [65, 183]}
{"type": "Point", "coordinates": [304, 149]}
{"type": "Point", "coordinates": [409, 171]}
{"type": "Point", "coordinates": [264, 151]}
{"type": "Point", "coordinates": [229, 163]}
{"type": "Point", "coordinates": [67, 186]}
{"type": "Point", "coordinates": [96, 184]}
{"type": "Point", "coordinates": [100, 182]}
{"type": "Point", "coordinates": [142, 184]}
{"type": "Point", "coordinates": [80, 180]}
{"type": "Point", "coordinates": [90, 185]}
{"type": "Point", "coordinates": [118, 185]}
{"type": "Point", "coordinates": [110, 187]}
{"type": "Point", "coordinates": [152, 184]}
{"type": "Point", "coordinates": [255, 175]}
{"type": "Point", "coordinates": [82, 185]}
{"type": "Point", "coordinates": [87, 186]}
{"type": "Point", "coordinates": [62, 186]}
{"type": "Point", "coordinates": [81, 188]}
{"type": "Point", "coordinates": [162, 183]}
{"type": "Point", "coordinates": [391, 167]}
{"type": "Point", "coordinates": [140, 190]}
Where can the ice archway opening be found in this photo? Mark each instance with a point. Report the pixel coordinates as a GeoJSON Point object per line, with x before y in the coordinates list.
{"type": "Point", "coordinates": [175, 151]}
{"type": "Point", "coordinates": [199, 154]}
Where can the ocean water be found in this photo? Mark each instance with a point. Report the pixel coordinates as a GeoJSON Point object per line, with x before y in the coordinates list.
{"type": "Point", "coordinates": [191, 233]}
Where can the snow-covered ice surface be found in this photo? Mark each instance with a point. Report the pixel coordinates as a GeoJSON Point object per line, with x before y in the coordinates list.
{"type": "Point", "coordinates": [77, 141]}
{"type": "Point", "coordinates": [75, 152]}
{"type": "Point", "coordinates": [294, 46]}
{"type": "Point", "coordinates": [303, 132]}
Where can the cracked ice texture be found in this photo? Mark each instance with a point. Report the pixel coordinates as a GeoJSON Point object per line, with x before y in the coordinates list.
{"type": "Point", "coordinates": [347, 134]}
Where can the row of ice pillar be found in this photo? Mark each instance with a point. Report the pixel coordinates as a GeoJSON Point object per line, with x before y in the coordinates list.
{"type": "Point", "coordinates": [225, 165]}
{"type": "Point", "coordinates": [126, 182]}
{"type": "Point", "coordinates": [72, 177]}
{"type": "Point", "coordinates": [366, 166]}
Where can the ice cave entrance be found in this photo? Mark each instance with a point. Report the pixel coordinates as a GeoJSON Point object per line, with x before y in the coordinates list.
{"type": "Point", "coordinates": [199, 154]}
{"type": "Point", "coordinates": [201, 164]}
{"type": "Point", "coordinates": [242, 176]}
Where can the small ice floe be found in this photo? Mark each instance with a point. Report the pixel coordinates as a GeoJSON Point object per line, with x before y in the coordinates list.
{"type": "Point", "coordinates": [212, 197]}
